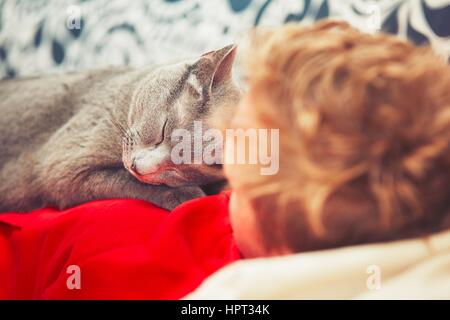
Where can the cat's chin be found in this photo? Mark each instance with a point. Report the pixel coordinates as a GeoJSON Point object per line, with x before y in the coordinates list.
{"type": "Point", "coordinates": [173, 177]}
{"type": "Point", "coordinates": [170, 178]}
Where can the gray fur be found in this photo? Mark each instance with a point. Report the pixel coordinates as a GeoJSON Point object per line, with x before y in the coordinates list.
{"type": "Point", "coordinates": [68, 139]}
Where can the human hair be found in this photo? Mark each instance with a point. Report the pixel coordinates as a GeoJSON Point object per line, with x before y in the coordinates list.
{"type": "Point", "coordinates": [364, 124]}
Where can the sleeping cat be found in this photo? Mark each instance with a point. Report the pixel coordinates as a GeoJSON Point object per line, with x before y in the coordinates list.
{"type": "Point", "coordinates": [68, 139]}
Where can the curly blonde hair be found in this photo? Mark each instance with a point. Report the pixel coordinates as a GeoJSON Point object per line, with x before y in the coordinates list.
{"type": "Point", "coordinates": [364, 136]}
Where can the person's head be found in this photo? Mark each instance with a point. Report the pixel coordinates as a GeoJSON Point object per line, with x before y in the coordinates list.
{"type": "Point", "coordinates": [364, 136]}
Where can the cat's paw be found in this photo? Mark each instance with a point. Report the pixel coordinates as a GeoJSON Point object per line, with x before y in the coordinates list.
{"type": "Point", "coordinates": [176, 196]}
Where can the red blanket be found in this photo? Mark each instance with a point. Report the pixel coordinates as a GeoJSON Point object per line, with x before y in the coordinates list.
{"type": "Point", "coordinates": [114, 249]}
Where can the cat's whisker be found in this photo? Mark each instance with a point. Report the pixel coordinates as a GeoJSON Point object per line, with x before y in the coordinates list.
{"type": "Point", "coordinates": [120, 128]}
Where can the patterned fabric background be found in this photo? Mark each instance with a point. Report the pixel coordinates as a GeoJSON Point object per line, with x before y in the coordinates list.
{"type": "Point", "coordinates": [42, 36]}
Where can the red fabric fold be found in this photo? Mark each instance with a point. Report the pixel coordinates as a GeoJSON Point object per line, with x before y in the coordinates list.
{"type": "Point", "coordinates": [125, 249]}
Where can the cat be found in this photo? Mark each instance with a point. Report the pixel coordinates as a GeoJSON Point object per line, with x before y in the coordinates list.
{"type": "Point", "coordinates": [72, 138]}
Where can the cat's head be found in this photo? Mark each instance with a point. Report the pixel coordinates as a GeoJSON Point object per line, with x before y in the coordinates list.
{"type": "Point", "coordinates": [170, 100]}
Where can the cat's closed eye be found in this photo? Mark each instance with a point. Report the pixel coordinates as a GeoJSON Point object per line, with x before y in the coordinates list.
{"type": "Point", "coordinates": [161, 136]}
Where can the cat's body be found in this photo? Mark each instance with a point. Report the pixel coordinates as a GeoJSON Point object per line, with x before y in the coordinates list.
{"type": "Point", "coordinates": [67, 139]}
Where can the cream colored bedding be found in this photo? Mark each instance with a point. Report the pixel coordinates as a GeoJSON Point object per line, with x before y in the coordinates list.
{"type": "Point", "coordinates": [410, 269]}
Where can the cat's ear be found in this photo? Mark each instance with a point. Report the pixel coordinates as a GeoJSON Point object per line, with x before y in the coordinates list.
{"type": "Point", "coordinates": [214, 67]}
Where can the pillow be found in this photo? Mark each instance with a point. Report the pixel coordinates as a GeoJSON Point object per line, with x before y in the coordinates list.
{"type": "Point", "coordinates": [114, 249]}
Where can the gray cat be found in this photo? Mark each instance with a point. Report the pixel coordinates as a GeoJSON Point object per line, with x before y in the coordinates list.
{"type": "Point", "coordinates": [68, 139]}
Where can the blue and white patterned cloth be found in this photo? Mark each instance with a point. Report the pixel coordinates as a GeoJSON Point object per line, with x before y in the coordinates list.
{"type": "Point", "coordinates": [42, 36]}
